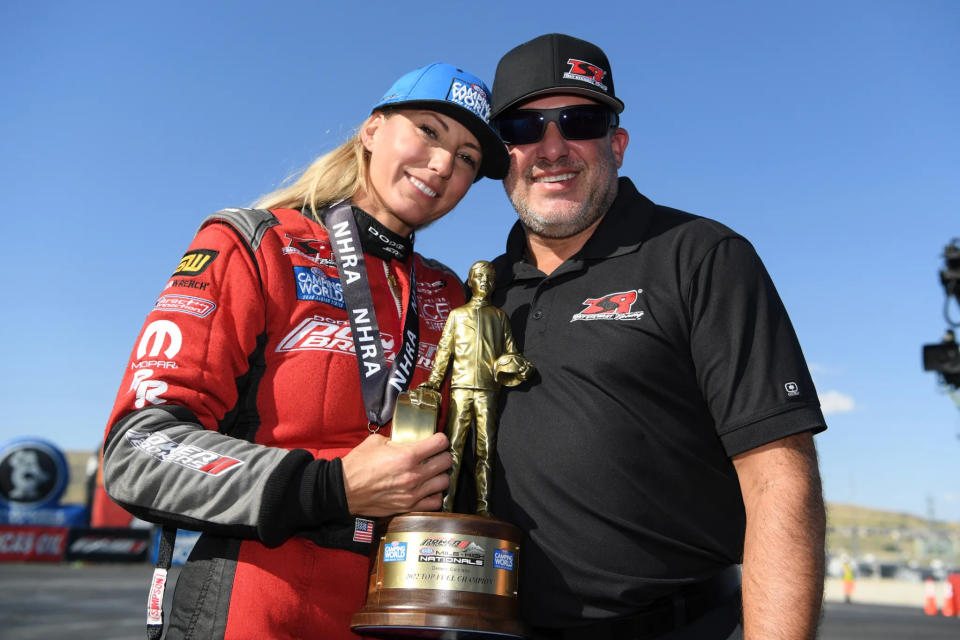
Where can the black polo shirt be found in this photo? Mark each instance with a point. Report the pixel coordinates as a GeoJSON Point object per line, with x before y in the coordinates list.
{"type": "Point", "coordinates": [662, 350]}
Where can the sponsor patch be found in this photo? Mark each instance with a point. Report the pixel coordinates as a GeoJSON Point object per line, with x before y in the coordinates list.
{"type": "Point", "coordinates": [188, 284]}
{"type": "Point", "coordinates": [319, 333]}
{"type": "Point", "coordinates": [430, 288]}
{"type": "Point", "coordinates": [185, 304]}
{"type": "Point", "coordinates": [158, 334]}
{"type": "Point", "coordinates": [195, 262]}
{"type": "Point", "coordinates": [434, 310]}
{"type": "Point", "coordinates": [164, 449]}
{"type": "Point", "coordinates": [151, 364]}
{"type": "Point", "coordinates": [147, 390]}
{"type": "Point", "coordinates": [503, 559]}
{"type": "Point", "coordinates": [155, 600]}
{"type": "Point", "coordinates": [612, 306]}
{"type": "Point", "coordinates": [585, 72]}
{"type": "Point", "coordinates": [310, 248]}
{"type": "Point", "coordinates": [314, 284]}
{"type": "Point", "coordinates": [395, 552]}
{"type": "Point", "coordinates": [471, 97]}
{"type": "Point", "coordinates": [427, 353]}
{"type": "Point", "coordinates": [389, 245]}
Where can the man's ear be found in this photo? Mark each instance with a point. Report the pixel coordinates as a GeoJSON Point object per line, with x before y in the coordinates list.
{"type": "Point", "coordinates": [619, 141]}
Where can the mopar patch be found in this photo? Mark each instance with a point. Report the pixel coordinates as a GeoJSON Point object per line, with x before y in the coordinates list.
{"type": "Point", "coordinates": [193, 263]}
{"type": "Point", "coordinates": [314, 284]}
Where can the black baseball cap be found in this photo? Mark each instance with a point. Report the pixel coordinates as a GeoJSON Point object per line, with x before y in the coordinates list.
{"type": "Point", "coordinates": [553, 63]}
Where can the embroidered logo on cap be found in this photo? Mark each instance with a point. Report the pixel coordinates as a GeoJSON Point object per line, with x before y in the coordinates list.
{"type": "Point", "coordinates": [585, 72]}
{"type": "Point", "coordinates": [471, 97]}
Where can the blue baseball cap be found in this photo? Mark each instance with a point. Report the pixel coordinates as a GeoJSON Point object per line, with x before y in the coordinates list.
{"type": "Point", "coordinates": [462, 96]}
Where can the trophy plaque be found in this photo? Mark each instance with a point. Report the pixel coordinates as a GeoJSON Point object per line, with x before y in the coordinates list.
{"type": "Point", "coordinates": [451, 575]}
{"type": "Point", "coordinates": [443, 575]}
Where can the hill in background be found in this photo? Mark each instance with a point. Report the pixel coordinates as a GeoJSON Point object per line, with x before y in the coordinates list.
{"type": "Point", "coordinates": [879, 536]}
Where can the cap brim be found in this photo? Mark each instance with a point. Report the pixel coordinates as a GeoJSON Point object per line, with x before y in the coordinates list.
{"type": "Point", "coordinates": [496, 159]}
{"type": "Point", "coordinates": [613, 103]}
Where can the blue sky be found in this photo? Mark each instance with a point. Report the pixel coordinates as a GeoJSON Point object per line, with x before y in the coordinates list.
{"type": "Point", "coordinates": [826, 132]}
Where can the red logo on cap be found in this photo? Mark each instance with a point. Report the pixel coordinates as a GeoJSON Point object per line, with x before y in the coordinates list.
{"type": "Point", "coordinates": [584, 68]}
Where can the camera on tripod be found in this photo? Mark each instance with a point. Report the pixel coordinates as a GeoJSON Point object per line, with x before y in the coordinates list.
{"type": "Point", "coordinates": [944, 357]}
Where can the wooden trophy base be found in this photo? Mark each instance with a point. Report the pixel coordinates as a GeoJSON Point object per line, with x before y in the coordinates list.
{"type": "Point", "coordinates": [443, 575]}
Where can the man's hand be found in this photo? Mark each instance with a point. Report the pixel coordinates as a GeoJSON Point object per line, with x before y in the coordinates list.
{"type": "Point", "coordinates": [381, 477]}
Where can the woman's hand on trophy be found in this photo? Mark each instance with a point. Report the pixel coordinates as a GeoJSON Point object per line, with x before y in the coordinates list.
{"type": "Point", "coordinates": [381, 477]}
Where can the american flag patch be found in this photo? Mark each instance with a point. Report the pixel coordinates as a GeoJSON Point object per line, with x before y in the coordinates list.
{"type": "Point", "coordinates": [363, 530]}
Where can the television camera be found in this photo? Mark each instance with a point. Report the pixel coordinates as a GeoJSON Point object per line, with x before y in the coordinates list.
{"type": "Point", "coordinates": [944, 357]}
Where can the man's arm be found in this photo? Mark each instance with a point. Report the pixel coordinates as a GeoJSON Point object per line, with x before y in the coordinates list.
{"type": "Point", "coordinates": [783, 557]}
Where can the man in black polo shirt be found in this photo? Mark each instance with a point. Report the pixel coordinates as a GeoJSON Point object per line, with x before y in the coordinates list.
{"type": "Point", "coordinates": [667, 435]}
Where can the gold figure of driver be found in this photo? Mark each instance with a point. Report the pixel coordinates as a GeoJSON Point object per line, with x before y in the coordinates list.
{"type": "Point", "coordinates": [477, 336]}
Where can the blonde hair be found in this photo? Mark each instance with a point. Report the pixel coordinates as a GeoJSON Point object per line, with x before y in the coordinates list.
{"type": "Point", "coordinates": [332, 177]}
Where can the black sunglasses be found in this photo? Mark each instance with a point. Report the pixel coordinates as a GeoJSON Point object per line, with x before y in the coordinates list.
{"type": "Point", "coordinates": [580, 122]}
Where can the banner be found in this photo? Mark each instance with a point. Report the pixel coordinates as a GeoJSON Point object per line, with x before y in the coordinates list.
{"type": "Point", "coordinates": [108, 545]}
{"type": "Point", "coordinates": [32, 544]}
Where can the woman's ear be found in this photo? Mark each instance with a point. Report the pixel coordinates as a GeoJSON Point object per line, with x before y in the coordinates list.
{"type": "Point", "coordinates": [368, 130]}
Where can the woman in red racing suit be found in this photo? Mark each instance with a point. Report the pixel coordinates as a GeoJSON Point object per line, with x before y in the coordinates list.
{"type": "Point", "coordinates": [255, 407]}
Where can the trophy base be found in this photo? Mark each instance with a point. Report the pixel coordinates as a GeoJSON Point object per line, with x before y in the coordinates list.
{"type": "Point", "coordinates": [443, 575]}
{"type": "Point", "coordinates": [443, 626]}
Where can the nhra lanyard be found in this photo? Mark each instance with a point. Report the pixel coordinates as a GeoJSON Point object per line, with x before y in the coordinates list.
{"type": "Point", "coordinates": [379, 386]}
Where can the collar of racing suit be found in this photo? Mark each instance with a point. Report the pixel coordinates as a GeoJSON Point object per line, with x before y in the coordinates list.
{"type": "Point", "coordinates": [380, 241]}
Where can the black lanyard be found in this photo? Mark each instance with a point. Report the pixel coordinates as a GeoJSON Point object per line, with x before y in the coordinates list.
{"type": "Point", "coordinates": [378, 385]}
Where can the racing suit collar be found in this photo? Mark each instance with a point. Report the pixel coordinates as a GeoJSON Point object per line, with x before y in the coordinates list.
{"type": "Point", "coordinates": [380, 241]}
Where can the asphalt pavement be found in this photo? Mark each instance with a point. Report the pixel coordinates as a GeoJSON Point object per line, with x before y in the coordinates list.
{"type": "Point", "coordinates": [108, 602]}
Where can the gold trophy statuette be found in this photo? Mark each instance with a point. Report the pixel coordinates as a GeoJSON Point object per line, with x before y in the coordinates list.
{"type": "Point", "coordinates": [451, 575]}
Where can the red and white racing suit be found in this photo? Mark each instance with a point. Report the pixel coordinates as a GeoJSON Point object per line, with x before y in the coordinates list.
{"type": "Point", "coordinates": [241, 393]}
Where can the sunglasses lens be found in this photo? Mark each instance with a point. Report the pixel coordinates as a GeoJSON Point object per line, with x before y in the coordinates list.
{"type": "Point", "coordinates": [521, 127]}
{"type": "Point", "coordinates": [581, 122]}
{"type": "Point", "coordinates": [584, 123]}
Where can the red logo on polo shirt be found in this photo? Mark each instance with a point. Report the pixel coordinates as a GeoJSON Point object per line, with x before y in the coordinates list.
{"type": "Point", "coordinates": [612, 306]}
